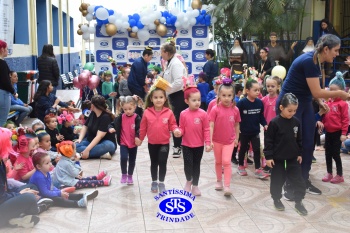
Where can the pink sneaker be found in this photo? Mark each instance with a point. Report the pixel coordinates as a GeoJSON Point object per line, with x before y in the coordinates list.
{"type": "Point", "coordinates": [219, 186]}
{"type": "Point", "coordinates": [107, 180]}
{"type": "Point", "coordinates": [123, 179]}
{"type": "Point", "coordinates": [241, 171]}
{"type": "Point", "coordinates": [227, 191]}
{"type": "Point", "coordinates": [260, 174]}
{"type": "Point", "coordinates": [196, 191]}
{"type": "Point", "coordinates": [245, 164]}
{"type": "Point", "coordinates": [327, 177]}
{"type": "Point", "coordinates": [263, 162]}
{"type": "Point", "coordinates": [188, 185]}
{"type": "Point", "coordinates": [130, 180]}
{"type": "Point", "coordinates": [337, 179]}
{"type": "Point", "coordinates": [101, 175]}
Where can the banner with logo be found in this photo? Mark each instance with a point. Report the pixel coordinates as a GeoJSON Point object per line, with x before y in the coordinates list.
{"type": "Point", "coordinates": [7, 23]}
{"type": "Point", "coordinates": [191, 44]}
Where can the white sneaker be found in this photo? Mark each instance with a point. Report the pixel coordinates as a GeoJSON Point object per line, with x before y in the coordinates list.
{"type": "Point", "coordinates": [176, 152]}
{"type": "Point", "coordinates": [106, 156]}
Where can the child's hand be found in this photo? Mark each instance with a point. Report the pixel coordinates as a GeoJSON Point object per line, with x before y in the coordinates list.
{"type": "Point", "coordinates": [211, 145]}
{"type": "Point", "coordinates": [18, 166]}
{"type": "Point", "coordinates": [320, 126]}
{"type": "Point", "coordinates": [342, 138]}
{"type": "Point", "coordinates": [60, 137]}
{"type": "Point", "coordinates": [207, 148]}
{"type": "Point", "coordinates": [111, 130]}
{"type": "Point", "coordinates": [299, 159]}
{"type": "Point", "coordinates": [177, 133]}
{"type": "Point", "coordinates": [64, 194]}
{"type": "Point", "coordinates": [57, 159]}
{"type": "Point", "coordinates": [324, 108]}
{"type": "Point", "coordinates": [138, 142]}
{"type": "Point", "coordinates": [270, 163]}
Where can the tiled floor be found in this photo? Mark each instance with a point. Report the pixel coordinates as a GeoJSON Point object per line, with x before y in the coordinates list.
{"type": "Point", "coordinates": [121, 208]}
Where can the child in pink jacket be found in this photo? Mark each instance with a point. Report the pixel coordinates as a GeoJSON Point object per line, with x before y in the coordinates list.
{"type": "Point", "coordinates": [194, 126]}
{"type": "Point", "coordinates": [157, 121]}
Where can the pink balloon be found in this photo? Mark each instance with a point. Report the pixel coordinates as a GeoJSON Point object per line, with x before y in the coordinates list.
{"type": "Point", "coordinates": [83, 79]}
{"type": "Point", "coordinates": [76, 83]}
{"type": "Point", "coordinates": [94, 80]}
{"type": "Point", "coordinates": [88, 72]}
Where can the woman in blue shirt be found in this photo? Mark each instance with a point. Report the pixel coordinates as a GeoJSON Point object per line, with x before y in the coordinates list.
{"type": "Point", "coordinates": [16, 103]}
{"type": "Point", "coordinates": [303, 81]}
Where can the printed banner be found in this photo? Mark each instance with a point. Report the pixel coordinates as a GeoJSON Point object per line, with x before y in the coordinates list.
{"type": "Point", "coordinates": [7, 23]}
{"type": "Point", "coordinates": [191, 44]}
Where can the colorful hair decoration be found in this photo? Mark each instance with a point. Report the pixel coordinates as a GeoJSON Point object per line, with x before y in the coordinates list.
{"type": "Point", "coordinates": [227, 82]}
{"type": "Point", "coordinates": [217, 81]}
{"type": "Point", "coordinates": [64, 117]}
{"type": "Point", "coordinates": [65, 148]}
{"type": "Point", "coordinates": [189, 82]}
{"type": "Point", "coordinates": [149, 48]}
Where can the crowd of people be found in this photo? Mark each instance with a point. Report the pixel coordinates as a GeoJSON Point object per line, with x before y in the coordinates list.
{"type": "Point", "coordinates": [40, 166]}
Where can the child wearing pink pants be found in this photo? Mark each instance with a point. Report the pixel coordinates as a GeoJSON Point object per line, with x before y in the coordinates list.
{"type": "Point", "coordinates": [224, 121]}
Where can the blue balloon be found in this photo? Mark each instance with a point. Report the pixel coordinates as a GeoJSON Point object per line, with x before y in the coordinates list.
{"type": "Point", "coordinates": [136, 17]}
{"type": "Point", "coordinates": [130, 16]}
{"type": "Point", "coordinates": [166, 14]}
{"type": "Point", "coordinates": [105, 21]}
{"type": "Point", "coordinates": [173, 19]}
{"type": "Point", "coordinates": [207, 18]}
{"type": "Point", "coordinates": [202, 21]}
{"type": "Point", "coordinates": [132, 22]}
{"type": "Point", "coordinates": [111, 12]}
{"type": "Point", "coordinates": [96, 7]}
{"type": "Point", "coordinates": [168, 21]}
{"type": "Point", "coordinates": [139, 25]}
{"type": "Point", "coordinates": [200, 17]}
{"type": "Point", "coordinates": [99, 22]}
{"type": "Point", "coordinates": [204, 12]}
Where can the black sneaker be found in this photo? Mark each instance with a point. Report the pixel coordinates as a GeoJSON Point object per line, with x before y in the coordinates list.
{"type": "Point", "coordinates": [44, 204]}
{"type": "Point", "coordinates": [267, 169]}
{"type": "Point", "coordinates": [278, 205]}
{"type": "Point", "coordinates": [312, 189]}
{"type": "Point", "coordinates": [234, 160]}
{"type": "Point", "coordinates": [288, 195]}
{"type": "Point", "coordinates": [299, 207]}
{"type": "Point", "coordinates": [91, 195]}
{"type": "Point", "coordinates": [176, 152]}
{"type": "Point", "coordinates": [249, 161]}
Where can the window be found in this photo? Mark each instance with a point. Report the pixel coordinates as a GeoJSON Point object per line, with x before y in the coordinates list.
{"type": "Point", "coordinates": [55, 29]}
{"type": "Point", "coordinates": [64, 24]}
{"type": "Point", "coordinates": [71, 26]}
{"type": "Point", "coordinates": [21, 33]}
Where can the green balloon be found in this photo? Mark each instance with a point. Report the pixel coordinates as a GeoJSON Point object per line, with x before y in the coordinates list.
{"type": "Point", "coordinates": [89, 66]}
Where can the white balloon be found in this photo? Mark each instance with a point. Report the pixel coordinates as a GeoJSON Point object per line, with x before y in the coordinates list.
{"type": "Point", "coordinates": [92, 29]}
{"type": "Point", "coordinates": [86, 36]}
{"type": "Point", "coordinates": [214, 19]}
{"type": "Point", "coordinates": [103, 30]}
{"type": "Point", "coordinates": [125, 18]}
{"type": "Point", "coordinates": [125, 25]}
{"type": "Point", "coordinates": [152, 26]}
{"type": "Point", "coordinates": [143, 35]}
{"type": "Point", "coordinates": [192, 21]}
{"type": "Point", "coordinates": [84, 28]}
{"type": "Point", "coordinates": [134, 29]}
{"type": "Point", "coordinates": [185, 19]}
{"type": "Point", "coordinates": [102, 13]}
{"type": "Point", "coordinates": [111, 18]}
{"type": "Point", "coordinates": [118, 23]}
{"type": "Point", "coordinates": [189, 9]}
{"type": "Point", "coordinates": [162, 20]}
{"type": "Point", "coordinates": [158, 14]}
{"type": "Point", "coordinates": [175, 11]}
{"type": "Point", "coordinates": [91, 9]}
{"type": "Point", "coordinates": [177, 24]}
{"type": "Point", "coordinates": [204, 7]}
{"type": "Point", "coordinates": [195, 13]}
{"type": "Point", "coordinates": [89, 17]}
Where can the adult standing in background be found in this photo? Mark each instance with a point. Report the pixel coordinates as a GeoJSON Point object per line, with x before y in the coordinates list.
{"type": "Point", "coordinates": [6, 89]}
{"type": "Point", "coordinates": [303, 81]}
{"type": "Point", "coordinates": [211, 67]}
{"type": "Point", "coordinates": [138, 72]}
{"type": "Point", "coordinates": [48, 67]}
{"type": "Point", "coordinates": [327, 28]}
{"type": "Point", "coordinates": [238, 56]}
{"type": "Point", "coordinates": [276, 51]}
{"type": "Point", "coordinates": [173, 73]}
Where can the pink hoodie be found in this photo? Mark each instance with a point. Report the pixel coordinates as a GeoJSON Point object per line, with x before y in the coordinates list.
{"type": "Point", "coordinates": [157, 124]}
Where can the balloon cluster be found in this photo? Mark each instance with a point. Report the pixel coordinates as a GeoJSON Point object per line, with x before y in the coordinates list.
{"type": "Point", "coordinates": [86, 78]}
{"type": "Point", "coordinates": [85, 30]}
{"type": "Point", "coordinates": [225, 72]}
{"type": "Point", "coordinates": [139, 24]}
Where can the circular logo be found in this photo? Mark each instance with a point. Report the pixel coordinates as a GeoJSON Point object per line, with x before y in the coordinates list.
{"type": "Point", "coordinates": [197, 121]}
{"type": "Point", "coordinates": [104, 68]}
{"type": "Point", "coordinates": [184, 44]}
{"type": "Point", "coordinates": [120, 44]}
{"type": "Point", "coordinates": [185, 55]}
{"type": "Point", "coordinates": [104, 56]}
{"type": "Point", "coordinates": [199, 32]}
{"type": "Point", "coordinates": [231, 118]}
{"type": "Point", "coordinates": [136, 43]}
{"type": "Point", "coordinates": [170, 31]}
{"type": "Point", "coordinates": [104, 43]}
{"type": "Point", "coordinates": [183, 31]}
{"type": "Point", "coordinates": [245, 111]}
{"type": "Point", "coordinates": [152, 32]}
{"type": "Point", "coordinates": [199, 56]}
{"type": "Point", "coordinates": [120, 32]}
{"type": "Point", "coordinates": [175, 206]}
{"type": "Point", "coordinates": [199, 68]}
{"type": "Point", "coordinates": [200, 44]}
{"type": "Point", "coordinates": [152, 43]}
{"type": "Point", "coordinates": [120, 56]}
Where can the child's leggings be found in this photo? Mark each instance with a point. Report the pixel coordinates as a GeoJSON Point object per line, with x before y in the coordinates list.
{"type": "Point", "coordinates": [89, 182]}
{"type": "Point", "coordinates": [255, 140]}
{"type": "Point", "coordinates": [125, 155]}
{"type": "Point", "coordinates": [192, 162]}
{"type": "Point", "coordinates": [332, 145]}
{"type": "Point", "coordinates": [223, 155]}
{"type": "Point", "coordinates": [71, 202]}
{"type": "Point", "coordinates": [159, 158]}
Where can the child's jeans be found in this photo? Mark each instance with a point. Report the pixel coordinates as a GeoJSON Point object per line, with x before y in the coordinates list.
{"type": "Point", "coordinates": [346, 149]}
